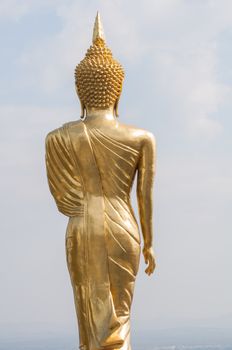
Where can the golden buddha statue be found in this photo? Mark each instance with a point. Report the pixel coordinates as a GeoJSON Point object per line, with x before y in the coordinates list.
{"type": "Point", "coordinates": [91, 166]}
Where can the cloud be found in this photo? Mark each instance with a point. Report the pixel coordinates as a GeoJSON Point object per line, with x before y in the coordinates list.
{"type": "Point", "coordinates": [189, 82]}
{"type": "Point", "coordinates": [14, 10]}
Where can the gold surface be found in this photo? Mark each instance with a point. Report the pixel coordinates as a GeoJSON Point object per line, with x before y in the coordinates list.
{"type": "Point", "coordinates": [98, 31]}
{"type": "Point", "coordinates": [91, 167]}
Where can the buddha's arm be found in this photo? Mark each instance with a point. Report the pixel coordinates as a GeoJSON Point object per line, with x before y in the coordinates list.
{"type": "Point", "coordinates": [146, 172]}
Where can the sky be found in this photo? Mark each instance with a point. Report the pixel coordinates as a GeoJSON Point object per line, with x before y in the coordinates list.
{"type": "Point", "coordinates": [177, 56]}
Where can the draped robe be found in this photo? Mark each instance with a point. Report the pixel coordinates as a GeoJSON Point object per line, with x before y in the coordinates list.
{"type": "Point", "coordinates": [90, 176]}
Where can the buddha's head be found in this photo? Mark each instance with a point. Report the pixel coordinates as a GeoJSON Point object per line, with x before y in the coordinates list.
{"type": "Point", "coordinates": [99, 77]}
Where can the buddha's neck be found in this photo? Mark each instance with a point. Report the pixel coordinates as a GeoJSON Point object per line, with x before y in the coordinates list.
{"type": "Point", "coordinates": [106, 114]}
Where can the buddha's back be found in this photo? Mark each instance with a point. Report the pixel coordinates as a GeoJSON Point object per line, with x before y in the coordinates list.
{"type": "Point", "coordinates": [116, 149]}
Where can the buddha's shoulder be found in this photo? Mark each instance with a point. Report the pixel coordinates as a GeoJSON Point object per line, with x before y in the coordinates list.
{"type": "Point", "coordinates": [140, 134]}
{"type": "Point", "coordinates": [61, 131]}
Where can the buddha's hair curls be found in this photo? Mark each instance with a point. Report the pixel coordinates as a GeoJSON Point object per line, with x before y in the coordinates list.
{"type": "Point", "coordinates": [99, 77]}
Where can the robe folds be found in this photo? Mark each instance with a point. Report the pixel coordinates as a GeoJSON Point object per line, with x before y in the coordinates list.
{"type": "Point", "coordinates": [90, 176]}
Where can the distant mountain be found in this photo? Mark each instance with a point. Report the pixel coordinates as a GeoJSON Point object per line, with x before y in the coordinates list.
{"type": "Point", "coordinates": [207, 334]}
{"type": "Point", "coordinates": [184, 337]}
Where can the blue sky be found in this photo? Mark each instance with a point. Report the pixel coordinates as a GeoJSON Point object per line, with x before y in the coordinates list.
{"type": "Point", "coordinates": [177, 57]}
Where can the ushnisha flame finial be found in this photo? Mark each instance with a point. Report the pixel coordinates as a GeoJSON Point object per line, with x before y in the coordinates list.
{"type": "Point", "coordinates": [98, 31]}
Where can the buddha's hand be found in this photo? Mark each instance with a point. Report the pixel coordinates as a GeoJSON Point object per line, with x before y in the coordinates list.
{"type": "Point", "coordinates": [149, 259]}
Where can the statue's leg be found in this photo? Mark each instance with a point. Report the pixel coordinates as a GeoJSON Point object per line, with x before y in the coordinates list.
{"type": "Point", "coordinates": [123, 267]}
{"type": "Point", "coordinates": [74, 256]}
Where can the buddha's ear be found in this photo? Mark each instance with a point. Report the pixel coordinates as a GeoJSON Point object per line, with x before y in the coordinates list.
{"type": "Point", "coordinates": [116, 108]}
{"type": "Point", "coordinates": [83, 110]}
